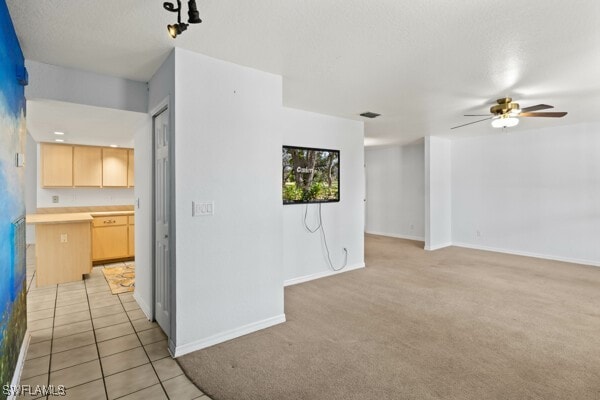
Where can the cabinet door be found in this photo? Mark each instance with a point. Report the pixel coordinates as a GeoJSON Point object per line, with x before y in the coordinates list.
{"type": "Point", "coordinates": [57, 165]}
{"type": "Point", "coordinates": [114, 167]}
{"type": "Point", "coordinates": [131, 240]}
{"type": "Point", "coordinates": [109, 242]}
{"type": "Point", "coordinates": [130, 176]}
{"type": "Point", "coordinates": [87, 166]}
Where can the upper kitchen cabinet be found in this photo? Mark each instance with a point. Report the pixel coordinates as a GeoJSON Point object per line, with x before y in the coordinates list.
{"type": "Point", "coordinates": [57, 165]}
{"type": "Point", "coordinates": [130, 175]}
{"type": "Point", "coordinates": [87, 166]}
{"type": "Point", "coordinates": [114, 167]}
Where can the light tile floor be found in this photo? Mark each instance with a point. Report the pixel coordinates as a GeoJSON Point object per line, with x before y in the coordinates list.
{"type": "Point", "coordinates": [99, 345]}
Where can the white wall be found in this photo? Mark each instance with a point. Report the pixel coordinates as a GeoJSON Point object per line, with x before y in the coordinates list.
{"type": "Point", "coordinates": [30, 184]}
{"type": "Point", "coordinates": [535, 192]}
{"type": "Point", "coordinates": [228, 150]}
{"type": "Point", "coordinates": [75, 86]}
{"type": "Point", "coordinates": [143, 216]}
{"type": "Point", "coordinates": [303, 253]}
{"type": "Point", "coordinates": [438, 193]}
{"type": "Point", "coordinates": [161, 87]}
{"type": "Point", "coordinates": [396, 191]}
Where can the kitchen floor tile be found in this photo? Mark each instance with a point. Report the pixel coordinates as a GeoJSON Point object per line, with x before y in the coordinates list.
{"type": "Point", "coordinates": [42, 314]}
{"type": "Point", "coordinates": [89, 391]}
{"type": "Point", "coordinates": [41, 336]}
{"type": "Point", "coordinates": [151, 336]}
{"type": "Point", "coordinates": [68, 330]}
{"type": "Point", "coordinates": [155, 392]}
{"type": "Point", "coordinates": [114, 331]}
{"type": "Point", "coordinates": [35, 367]}
{"type": "Point", "coordinates": [73, 341]}
{"type": "Point", "coordinates": [38, 350]}
{"type": "Point", "coordinates": [130, 381]}
{"type": "Point", "coordinates": [143, 325]}
{"type": "Point", "coordinates": [181, 388]}
{"type": "Point", "coordinates": [104, 311]}
{"type": "Point", "coordinates": [109, 320]}
{"type": "Point", "coordinates": [40, 324]}
{"type": "Point", "coordinates": [118, 345]}
{"type": "Point", "coordinates": [77, 375]}
{"type": "Point", "coordinates": [167, 368]}
{"type": "Point", "coordinates": [123, 361]}
{"type": "Point", "coordinates": [157, 350]}
{"type": "Point", "coordinates": [73, 357]}
{"type": "Point", "coordinates": [72, 308]}
{"type": "Point", "coordinates": [69, 319]}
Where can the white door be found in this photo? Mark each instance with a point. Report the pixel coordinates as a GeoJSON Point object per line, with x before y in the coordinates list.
{"type": "Point", "coordinates": [161, 221]}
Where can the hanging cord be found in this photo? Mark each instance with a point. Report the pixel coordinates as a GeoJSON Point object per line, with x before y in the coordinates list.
{"type": "Point", "coordinates": [306, 224]}
{"type": "Point", "coordinates": [324, 237]}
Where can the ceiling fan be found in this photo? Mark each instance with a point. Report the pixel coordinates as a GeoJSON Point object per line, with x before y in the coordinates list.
{"type": "Point", "coordinates": [507, 113]}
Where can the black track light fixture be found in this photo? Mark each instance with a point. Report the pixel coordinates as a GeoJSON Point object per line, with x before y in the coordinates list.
{"type": "Point", "coordinates": [193, 14]}
{"type": "Point", "coordinates": [176, 29]}
{"type": "Point", "coordinates": [194, 17]}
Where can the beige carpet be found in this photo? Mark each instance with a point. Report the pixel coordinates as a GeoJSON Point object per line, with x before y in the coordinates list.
{"type": "Point", "coordinates": [452, 324]}
{"type": "Point", "coordinates": [120, 279]}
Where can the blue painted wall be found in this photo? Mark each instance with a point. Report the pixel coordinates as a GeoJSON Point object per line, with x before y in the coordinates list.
{"type": "Point", "coordinates": [13, 317]}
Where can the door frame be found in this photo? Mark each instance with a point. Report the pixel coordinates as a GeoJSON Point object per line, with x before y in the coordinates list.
{"type": "Point", "coordinates": [165, 105]}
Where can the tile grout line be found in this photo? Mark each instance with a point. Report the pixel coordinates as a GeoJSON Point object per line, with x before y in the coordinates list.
{"type": "Point", "coordinates": [145, 352]}
{"type": "Point", "coordinates": [95, 341]}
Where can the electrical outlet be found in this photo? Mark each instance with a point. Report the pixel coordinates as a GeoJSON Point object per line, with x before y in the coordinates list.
{"type": "Point", "coordinates": [203, 209]}
{"type": "Point", "coordinates": [55, 199]}
{"type": "Point", "coordinates": [64, 238]}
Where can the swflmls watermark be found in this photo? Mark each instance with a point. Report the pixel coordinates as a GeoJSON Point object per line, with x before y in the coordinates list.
{"type": "Point", "coordinates": [34, 390]}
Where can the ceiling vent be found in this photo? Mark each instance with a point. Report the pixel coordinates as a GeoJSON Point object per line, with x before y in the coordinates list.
{"type": "Point", "coordinates": [370, 114]}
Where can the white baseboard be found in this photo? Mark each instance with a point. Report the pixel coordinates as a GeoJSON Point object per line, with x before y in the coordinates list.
{"type": "Point", "coordinates": [20, 363]}
{"type": "Point", "coordinates": [323, 274]}
{"type": "Point", "coordinates": [146, 309]}
{"type": "Point", "coordinates": [528, 254]}
{"type": "Point", "coordinates": [438, 246]}
{"type": "Point", "coordinates": [228, 335]}
{"type": "Point", "coordinates": [397, 235]}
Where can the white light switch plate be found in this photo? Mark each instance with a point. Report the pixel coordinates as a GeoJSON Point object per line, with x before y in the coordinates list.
{"type": "Point", "coordinates": [203, 209]}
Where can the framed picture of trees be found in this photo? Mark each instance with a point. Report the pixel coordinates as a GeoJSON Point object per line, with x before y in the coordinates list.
{"type": "Point", "coordinates": [310, 175]}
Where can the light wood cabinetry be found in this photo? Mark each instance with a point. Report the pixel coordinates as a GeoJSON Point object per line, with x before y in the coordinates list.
{"type": "Point", "coordinates": [114, 167]}
{"type": "Point", "coordinates": [63, 252]}
{"type": "Point", "coordinates": [109, 238]}
{"type": "Point", "coordinates": [130, 164]}
{"type": "Point", "coordinates": [113, 237]}
{"type": "Point", "coordinates": [57, 165]}
{"type": "Point", "coordinates": [87, 166]}
{"type": "Point", "coordinates": [131, 228]}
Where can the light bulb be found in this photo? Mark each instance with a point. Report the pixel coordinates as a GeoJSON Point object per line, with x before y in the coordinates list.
{"type": "Point", "coordinates": [505, 122]}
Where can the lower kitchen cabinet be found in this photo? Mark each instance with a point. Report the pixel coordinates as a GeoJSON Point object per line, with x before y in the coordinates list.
{"type": "Point", "coordinates": [110, 238]}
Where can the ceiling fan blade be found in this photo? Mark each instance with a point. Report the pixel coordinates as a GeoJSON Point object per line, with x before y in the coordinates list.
{"type": "Point", "coordinates": [543, 114]}
{"type": "Point", "coordinates": [476, 115]}
{"type": "Point", "coordinates": [536, 108]}
{"type": "Point", "coordinates": [471, 123]}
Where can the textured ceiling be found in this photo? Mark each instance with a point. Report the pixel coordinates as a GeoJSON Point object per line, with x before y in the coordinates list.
{"type": "Point", "coordinates": [421, 64]}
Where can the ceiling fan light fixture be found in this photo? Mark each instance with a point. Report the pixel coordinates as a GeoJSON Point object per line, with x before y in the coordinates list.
{"type": "Point", "coordinates": [505, 122]}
